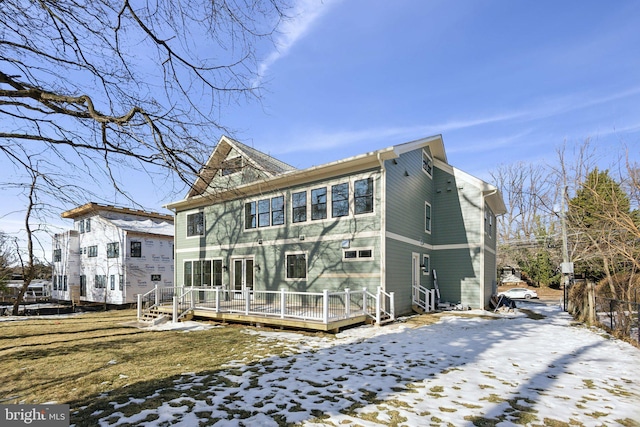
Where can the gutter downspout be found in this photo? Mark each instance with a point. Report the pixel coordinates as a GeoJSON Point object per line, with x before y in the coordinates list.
{"type": "Point", "coordinates": [383, 225]}
{"type": "Point", "coordinates": [485, 196]}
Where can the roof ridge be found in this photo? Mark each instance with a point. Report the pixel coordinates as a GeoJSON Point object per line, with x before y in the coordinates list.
{"type": "Point", "coordinates": [245, 147]}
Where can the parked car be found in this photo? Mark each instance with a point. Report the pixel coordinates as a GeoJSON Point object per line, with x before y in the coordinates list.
{"type": "Point", "coordinates": [516, 293]}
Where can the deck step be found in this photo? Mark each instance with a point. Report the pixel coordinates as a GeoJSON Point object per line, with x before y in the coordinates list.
{"type": "Point", "coordinates": [418, 309]}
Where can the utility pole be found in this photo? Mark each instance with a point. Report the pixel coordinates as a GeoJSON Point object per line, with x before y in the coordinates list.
{"type": "Point", "coordinates": [567, 266]}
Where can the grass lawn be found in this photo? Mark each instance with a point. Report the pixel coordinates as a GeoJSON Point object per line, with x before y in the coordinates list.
{"type": "Point", "coordinates": [78, 359]}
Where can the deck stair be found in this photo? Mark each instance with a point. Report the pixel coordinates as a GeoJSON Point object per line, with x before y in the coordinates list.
{"type": "Point", "coordinates": [425, 300]}
{"type": "Point", "coordinates": [154, 316]}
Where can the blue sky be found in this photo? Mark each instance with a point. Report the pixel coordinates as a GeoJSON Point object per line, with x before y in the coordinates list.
{"type": "Point", "coordinates": [502, 81]}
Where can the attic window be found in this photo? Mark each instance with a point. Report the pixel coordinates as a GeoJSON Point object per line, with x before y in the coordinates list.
{"type": "Point", "coordinates": [231, 166]}
{"type": "Point", "coordinates": [427, 163]}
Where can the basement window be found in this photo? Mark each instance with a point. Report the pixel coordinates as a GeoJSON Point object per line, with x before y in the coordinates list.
{"type": "Point", "coordinates": [357, 254]}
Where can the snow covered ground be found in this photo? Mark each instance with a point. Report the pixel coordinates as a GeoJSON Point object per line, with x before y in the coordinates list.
{"type": "Point", "coordinates": [515, 369]}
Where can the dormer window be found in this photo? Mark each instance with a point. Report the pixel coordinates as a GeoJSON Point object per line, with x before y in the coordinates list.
{"type": "Point", "coordinates": [231, 166]}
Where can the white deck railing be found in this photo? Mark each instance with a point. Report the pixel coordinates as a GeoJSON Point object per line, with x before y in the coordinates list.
{"type": "Point", "coordinates": [424, 298]}
{"type": "Point", "coordinates": [322, 306]}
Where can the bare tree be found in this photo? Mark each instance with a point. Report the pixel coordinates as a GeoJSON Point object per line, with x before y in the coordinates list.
{"type": "Point", "coordinates": [529, 228]}
{"type": "Point", "coordinates": [89, 90]}
{"type": "Point", "coordinates": [6, 256]}
{"type": "Point", "coordinates": [100, 83]}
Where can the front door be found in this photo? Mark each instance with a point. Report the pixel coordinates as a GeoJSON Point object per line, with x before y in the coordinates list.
{"type": "Point", "coordinates": [415, 276]}
{"type": "Point", "coordinates": [242, 275]}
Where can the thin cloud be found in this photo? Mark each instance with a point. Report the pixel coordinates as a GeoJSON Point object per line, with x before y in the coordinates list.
{"type": "Point", "coordinates": [305, 14]}
{"type": "Point", "coordinates": [320, 140]}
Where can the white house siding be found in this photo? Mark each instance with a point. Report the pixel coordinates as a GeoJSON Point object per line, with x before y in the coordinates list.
{"type": "Point", "coordinates": [124, 276]}
{"type": "Point", "coordinates": [155, 262]}
{"type": "Point", "coordinates": [67, 270]}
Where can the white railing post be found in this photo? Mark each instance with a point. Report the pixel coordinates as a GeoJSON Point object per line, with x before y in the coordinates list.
{"type": "Point", "coordinates": [174, 316]}
{"type": "Point", "coordinates": [247, 302]}
{"type": "Point", "coordinates": [392, 308]}
{"type": "Point", "coordinates": [283, 303]}
{"type": "Point", "coordinates": [325, 306]}
{"type": "Point", "coordinates": [139, 306]}
{"type": "Point", "coordinates": [347, 302]}
{"type": "Point", "coordinates": [217, 299]}
{"type": "Point", "coordinates": [378, 317]}
{"type": "Point", "coordinates": [157, 296]}
{"type": "Point", "coordinates": [364, 300]}
{"type": "Point", "coordinates": [192, 299]}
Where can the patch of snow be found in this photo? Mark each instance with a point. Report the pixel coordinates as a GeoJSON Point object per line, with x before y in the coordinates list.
{"type": "Point", "coordinates": [460, 369]}
{"type": "Point", "coordinates": [187, 326]}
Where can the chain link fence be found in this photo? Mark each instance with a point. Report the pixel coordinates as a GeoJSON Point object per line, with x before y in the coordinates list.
{"type": "Point", "coordinates": [619, 316]}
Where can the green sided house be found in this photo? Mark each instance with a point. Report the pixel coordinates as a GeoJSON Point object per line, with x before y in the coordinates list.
{"type": "Point", "coordinates": [377, 234]}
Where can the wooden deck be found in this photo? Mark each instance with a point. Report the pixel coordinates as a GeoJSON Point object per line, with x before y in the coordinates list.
{"type": "Point", "coordinates": [317, 311]}
{"type": "Point", "coordinates": [275, 322]}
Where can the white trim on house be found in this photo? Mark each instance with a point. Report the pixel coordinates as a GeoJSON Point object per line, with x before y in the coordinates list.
{"type": "Point", "coordinates": [314, 239]}
{"type": "Point", "coordinates": [349, 275]}
{"type": "Point", "coordinates": [415, 242]}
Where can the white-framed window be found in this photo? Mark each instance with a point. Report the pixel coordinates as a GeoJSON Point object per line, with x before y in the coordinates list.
{"type": "Point", "coordinates": [363, 196]}
{"type": "Point", "coordinates": [427, 217]}
{"type": "Point", "coordinates": [264, 213]}
{"type": "Point", "coordinates": [357, 254]}
{"type": "Point", "coordinates": [195, 224]}
{"type": "Point", "coordinates": [92, 251]}
{"type": "Point", "coordinates": [112, 282]}
{"type": "Point", "coordinates": [426, 265]}
{"type": "Point", "coordinates": [57, 255]}
{"type": "Point", "coordinates": [488, 221]}
{"type": "Point", "coordinates": [113, 250]}
{"type": "Point", "coordinates": [100, 281]}
{"type": "Point", "coordinates": [87, 225]}
{"type": "Point", "coordinates": [340, 200]}
{"type": "Point", "coordinates": [319, 203]}
{"type": "Point", "coordinates": [427, 164]}
{"type": "Point", "coordinates": [203, 272]}
{"type": "Point", "coordinates": [337, 199]}
{"type": "Point", "coordinates": [81, 226]}
{"type": "Point", "coordinates": [296, 265]}
{"type": "Point", "coordinates": [299, 206]}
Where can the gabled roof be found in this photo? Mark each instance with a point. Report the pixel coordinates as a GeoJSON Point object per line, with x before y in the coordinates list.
{"type": "Point", "coordinates": [267, 165]}
{"type": "Point", "coordinates": [286, 176]}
